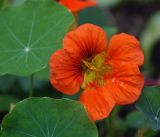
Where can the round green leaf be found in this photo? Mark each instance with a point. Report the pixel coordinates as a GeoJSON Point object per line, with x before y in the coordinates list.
{"type": "Point", "coordinates": [149, 104]}
{"type": "Point", "coordinates": [47, 117]}
{"type": "Point", "coordinates": [16, 2]}
{"type": "Point", "coordinates": [136, 119]}
{"type": "Point", "coordinates": [30, 33]}
{"type": "Point", "coordinates": [99, 17]}
{"type": "Point", "coordinates": [109, 3]}
{"type": "Point", "coordinates": [6, 101]}
{"type": "Point", "coordinates": [1, 2]}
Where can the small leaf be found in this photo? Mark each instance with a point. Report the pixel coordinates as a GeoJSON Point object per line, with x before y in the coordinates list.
{"type": "Point", "coordinates": [110, 31]}
{"type": "Point", "coordinates": [47, 117]}
{"type": "Point", "coordinates": [1, 3]}
{"type": "Point", "coordinates": [109, 3]}
{"type": "Point", "coordinates": [136, 119]}
{"type": "Point", "coordinates": [149, 104]}
{"type": "Point", "coordinates": [150, 133]}
{"type": "Point", "coordinates": [32, 31]}
{"type": "Point", "coordinates": [4, 3]}
{"type": "Point", "coordinates": [99, 17]}
{"type": "Point", "coordinates": [6, 101]}
{"type": "Point", "coordinates": [16, 2]}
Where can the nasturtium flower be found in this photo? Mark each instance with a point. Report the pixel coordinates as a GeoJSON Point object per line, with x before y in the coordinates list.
{"type": "Point", "coordinates": [108, 73]}
{"type": "Point", "coordinates": [76, 5]}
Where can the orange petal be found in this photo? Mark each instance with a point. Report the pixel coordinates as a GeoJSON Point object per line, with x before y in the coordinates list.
{"type": "Point", "coordinates": [98, 102]}
{"type": "Point", "coordinates": [86, 41]}
{"type": "Point", "coordinates": [126, 83]}
{"type": "Point", "coordinates": [65, 72]}
{"type": "Point", "coordinates": [125, 48]}
{"type": "Point", "coordinates": [77, 5]}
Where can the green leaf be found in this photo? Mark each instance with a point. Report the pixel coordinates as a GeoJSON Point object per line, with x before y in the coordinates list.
{"type": "Point", "coordinates": [6, 101]}
{"type": "Point", "coordinates": [16, 2]}
{"type": "Point", "coordinates": [109, 3]}
{"type": "Point", "coordinates": [149, 37]}
{"type": "Point", "coordinates": [110, 31]}
{"type": "Point", "coordinates": [47, 117]}
{"type": "Point", "coordinates": [150, 133]}
{"type": "Point", "coordinates": [43, 74]}
{"type": "Point", "coordinates": [30, 33]}
{"type": "Point", "coordinates": [1, 3]}
{"type": "Point", "coordinates": [100, 17]}
{"type": "Point", "coordinates": [93, 15]}
{"type": "Point", "coordinates": [149, 104]}
{"type": "Point", "coordinates": [136, 119]}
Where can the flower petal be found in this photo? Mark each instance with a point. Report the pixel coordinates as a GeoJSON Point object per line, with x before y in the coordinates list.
{"type": "Point", "coordinates": [86, 41]}
{"type": "Point", "coordinates": [77, 5]}
{"type": "Point", "coordinates": [126, 83]}
{"type": "Point", "coordinates": [98, 102]}
{"type": "Point", "coordinates": [125, 48]}
{"type": "Point", "coordinates": [65, 72]}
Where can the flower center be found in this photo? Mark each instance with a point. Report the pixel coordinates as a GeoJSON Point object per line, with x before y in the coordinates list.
{"type": "Point", "coordinates": [94, 69]}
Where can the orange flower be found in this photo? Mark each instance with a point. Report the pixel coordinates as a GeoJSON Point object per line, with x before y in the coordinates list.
{"type": "Point", "coordinates": [109, 75]}
{"type": "Point", "coordinates": [76, 5]}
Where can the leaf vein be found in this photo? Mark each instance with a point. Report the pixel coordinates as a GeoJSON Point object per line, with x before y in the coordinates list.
{"type": "Point", "coordinates": [32, 26]}
{"type": "Point", "coordinates": [12, 33]}
{"type": "Point", "coordinates": [30, 114]}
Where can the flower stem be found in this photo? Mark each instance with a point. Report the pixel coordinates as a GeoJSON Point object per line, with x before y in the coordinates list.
{"type": "Point", "coordinates": [140, 132]}
{"type": "Point", "coordinates": [31, 81]}
{"type": "Point", "coordinates": [75, 24]}
{"type": "Point", "coordinates": [110, 122]}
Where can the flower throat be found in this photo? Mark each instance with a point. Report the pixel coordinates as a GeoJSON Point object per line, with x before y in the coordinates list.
{"type": "Point", "coordinates": [94, 69]}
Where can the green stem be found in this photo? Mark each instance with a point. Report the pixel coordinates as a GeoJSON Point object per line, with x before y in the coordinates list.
{"type": "Point", "coordinates": [110, 122]}
{"type": "Point", "coordinates": [31, 81]}
{"type": "Point", "coordinates": [102, 128]}
{"type": "Point", "coordinates": [109, 132]}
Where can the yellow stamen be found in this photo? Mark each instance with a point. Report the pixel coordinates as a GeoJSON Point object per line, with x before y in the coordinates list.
{"type": "Point", "coordinates": [89, 65]}
{"type": "Point", "coordinates": [94, 69]}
